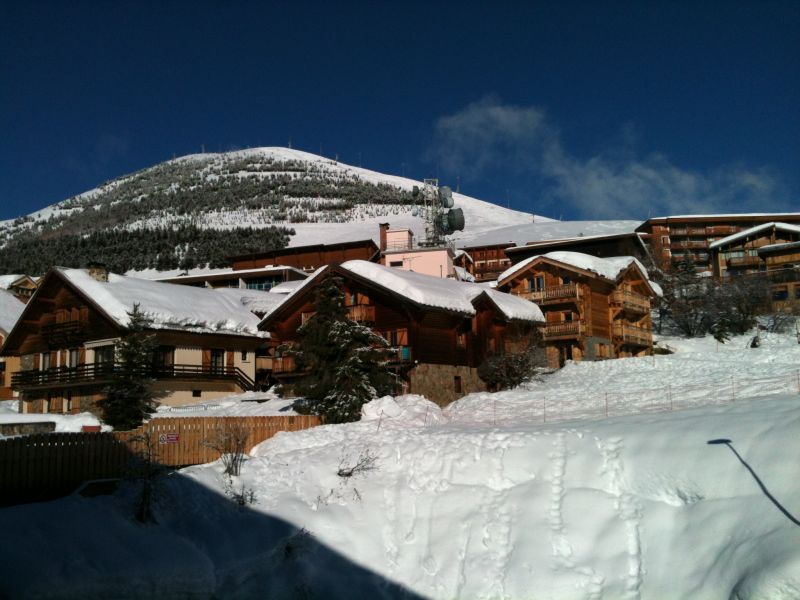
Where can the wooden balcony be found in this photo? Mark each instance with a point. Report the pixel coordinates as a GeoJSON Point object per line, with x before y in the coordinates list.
{"type": "Point", "coordinates": [284, 364]}
{"type": "Point", "coordinates": [630, 302]}
{"type": "Point", "coordinates": [631, 335]}
{"type": "Point", "coordinates": [553, 294]}
{"type": "Point", "coordinates": [361, 313]}
{"type": "Point", "coordinates": [100, 374]}
{"type": "Point", "coordinates": [63, 334]}
{"type": "Point", "coordinates": [563, 331]}
{"type": "Point", "coordinates": [743, 261]}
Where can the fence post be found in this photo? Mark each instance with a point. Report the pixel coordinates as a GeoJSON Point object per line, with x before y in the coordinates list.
{"type": "Point", "coordinates": [606, 404]}
{"type": "Point", "coordinates": [798, 382]}
{"type": "Point", "coordinates": [733, 388]}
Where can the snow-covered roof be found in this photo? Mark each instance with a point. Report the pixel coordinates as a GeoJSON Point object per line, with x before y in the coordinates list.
{"type": "Point", "coordinates": [520, 235]}
{"type": "Point", "coordinates": [286, 287]}
{"type": "Point", "coordinates": [7, 280]}
{"type": "Point", "coordinates": [167, 305]}
{"type": "Point", "coordinates": [228, 272]}
{"type": "Point", "coordinates": [753, 230]}
{"type": "Point", "coordinates": [463, 275]}
{"type": "Point", "coordinates": [10, 310]}
{"type": "Point", "coordinates": [256, 301]}
{"type": "Point", "coordinates": [609, 268]}
{"type": "Point", "coordinates": [437, 292]}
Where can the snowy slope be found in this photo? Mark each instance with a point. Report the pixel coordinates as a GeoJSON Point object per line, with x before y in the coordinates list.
{"type": "Point", "coordinates": [360, 222]}
{"type": "Point", "coordinates": [477, 501]}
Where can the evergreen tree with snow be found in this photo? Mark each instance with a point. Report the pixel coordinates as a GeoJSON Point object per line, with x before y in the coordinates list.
{"type": "Point", "coordinates": [347, 363]}
{"type": "Point", "coordinates": [130, 397]}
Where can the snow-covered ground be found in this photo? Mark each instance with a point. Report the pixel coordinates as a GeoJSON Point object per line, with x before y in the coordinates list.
{"type": "Point", "coordinates": [248, 404]}
{"type": "Point", "coordinates": [9, 413]}
{"type": "Point", "coordinates": [480, 500]}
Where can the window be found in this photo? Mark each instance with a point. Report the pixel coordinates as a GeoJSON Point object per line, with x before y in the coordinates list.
{"type": "Point", "coordinates": [45, 361]}
{"type": "Point", "coordinates": [461, 339]}
{"type": "Point", "coordinates": [244, 355]}
{"type": "Point", "coordinates": [103, 354]}
{"type": "Point", "coordinates": [568, 317]}
{"type": "Point", "coordinates": [396, 263]}
{"type": "Point", "coordinates": [797, 293]}
{"type": "Point", "coordinates": [780, 294]}
{"type": "Point", "coordinates": [566, 280]}
{"type": "Point", "coordinates": [218, 361]}
{"type": "Point", "coordinates": [457, 384]}
{"type": "Point", "coordinates": [74, 353]}
{"type": "Point", "coordinates": [197, 394]}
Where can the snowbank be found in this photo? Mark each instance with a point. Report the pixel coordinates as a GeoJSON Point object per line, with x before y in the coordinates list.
{"type": "Point", "coordinates": [248, 404]}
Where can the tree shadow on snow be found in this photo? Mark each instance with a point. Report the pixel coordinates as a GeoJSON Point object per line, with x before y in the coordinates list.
{"type": "Point", "coordinates": [202, 545]}
{"type": "Point", "coordinates": [778, 505]}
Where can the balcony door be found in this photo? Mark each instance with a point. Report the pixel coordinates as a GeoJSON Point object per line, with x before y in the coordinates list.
{"type": "Point", "coordinates": [104, 358]}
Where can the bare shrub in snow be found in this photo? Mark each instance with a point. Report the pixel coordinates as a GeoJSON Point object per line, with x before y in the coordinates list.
{"type": "Point", "coordinates": [145, 470]}
{"type": "Point", "coordinates": [365, 462]}
{"type": "Point", "coordinates": [243, 496]}
{"type": "Point", "coordinates": [230, 440]}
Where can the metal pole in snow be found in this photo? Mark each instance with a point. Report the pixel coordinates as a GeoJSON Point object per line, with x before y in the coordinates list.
{"type": "Point", "coordinates": [669, 394]}
{"type": "Point", "coordinates": [798, 382]}
{"type": "Point", "coordinates": [494, 412]}
{"type": "Point", "coordinates": [606, 404]}
{"type": "Point", "coordinates": [544, 408]}
{"type": "Point", "coordinates": [380, 418]}
{"type": "Point", "coordinates": [733, 389]}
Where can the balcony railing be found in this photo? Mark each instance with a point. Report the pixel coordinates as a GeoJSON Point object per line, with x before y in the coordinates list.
{"type": "Point", "coordinates": [741, 261]}
{"type": "Point", "coordinates": [403, 355]}
{"type": "Point", "coordinates": [566, 330]}
{"type": "Point", "coordinates": [284, 364]}
{"type": "Point", "coordinates": [631, 301]}
{"type": "Point", "coordinates": [63, 332]}
{"type": "Point", "coordinates": [101, 373]}
{"type": "Point", "coordinates": [555, 293]}
{"type": "Point", "coordinates": [632, 335]}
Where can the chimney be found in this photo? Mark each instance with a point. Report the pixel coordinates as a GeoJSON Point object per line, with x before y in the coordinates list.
{"type": "Point", "coordinates": [384, 227]}
{"type": "Point", "coordinates": [98, 271]}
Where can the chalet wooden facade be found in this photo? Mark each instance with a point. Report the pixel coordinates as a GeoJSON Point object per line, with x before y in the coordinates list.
{"type": "Point", "coordinates": [11, 308]}
{"type": "Point", "coordinates": [594, 308]}
{"type": "Point", "coordinates": [689, 237]}
{"type": "Point", "coordinates": [66, 335]}
{"type": "Point", "coordinates": [309, 258]}
{"type": "Point", "coordinates": [442, 329]}
{"type": "Point", "coordinates": [771, 250]}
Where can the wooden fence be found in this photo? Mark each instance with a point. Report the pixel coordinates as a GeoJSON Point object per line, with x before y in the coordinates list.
{"type": "Point", "coordinates": [45, 466]}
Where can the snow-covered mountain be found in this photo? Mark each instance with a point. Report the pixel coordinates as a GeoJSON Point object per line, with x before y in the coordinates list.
{"type": "Point", "coordinates": [320, 199]}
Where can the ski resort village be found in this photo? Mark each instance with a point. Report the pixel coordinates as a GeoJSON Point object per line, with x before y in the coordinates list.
{"type": "Point", "coordinates": [319, 381]}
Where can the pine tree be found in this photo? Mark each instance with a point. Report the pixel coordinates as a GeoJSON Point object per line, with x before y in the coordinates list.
{"type": "Point", "coordinates": [130, 397]}
{"type": "Point", "coordinates": [346, 362]}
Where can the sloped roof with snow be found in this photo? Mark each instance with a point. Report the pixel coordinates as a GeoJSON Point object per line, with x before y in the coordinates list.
{"type": "Point", "coordinates": [608, 268]}
{"type": "Point", "coordinates": [10, 310]}
{"type": "Point", "coordinates": [437, 292]}
{"type": "Point", "coordinates": [286, 287]}
{"type": "Point", "coordinates": [745, 233]}
{"type": "Point", "coordinates": [7, 280]}
{"type": "Point", "coordinates": [168, 306]}
{"type": "Point", "coordinates": [520, 235]}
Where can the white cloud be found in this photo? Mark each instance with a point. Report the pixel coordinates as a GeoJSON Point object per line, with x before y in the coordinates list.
{"type": "Point", "coordinates": [488, 136]}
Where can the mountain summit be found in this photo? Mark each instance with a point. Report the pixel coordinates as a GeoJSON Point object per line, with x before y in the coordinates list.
{"type": "Point", "coordinates": [197, 209]}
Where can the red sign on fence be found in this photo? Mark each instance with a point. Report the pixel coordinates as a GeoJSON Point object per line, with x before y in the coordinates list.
{"type": "Point", "coordinates": [169, 438]}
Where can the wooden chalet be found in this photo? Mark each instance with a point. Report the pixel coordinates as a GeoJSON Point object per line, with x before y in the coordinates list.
{"type": "Point", "coordinates": [689, 237]}
{"type": "Point", "coordinates": [442, 329]}
{"type": "Point", "coordinates": [602, 246]}
{"type": "Point", "coordinates": [771, 250]}
{"type": "Point", "coordinates": [309, 258]}
{"type": "Point", "coordinates": [594, 308]}
{"type": "Point", "coordinates": [65, 340]}
{"type": "Point", "coordinates": [11, 308]}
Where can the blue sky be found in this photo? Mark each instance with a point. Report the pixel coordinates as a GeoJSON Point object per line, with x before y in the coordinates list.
{"type": "Point", "coordinates": [567, 109]}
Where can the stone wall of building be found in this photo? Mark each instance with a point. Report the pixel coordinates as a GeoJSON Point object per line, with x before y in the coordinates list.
{"type": "Point", "coordinates": [439, 383]}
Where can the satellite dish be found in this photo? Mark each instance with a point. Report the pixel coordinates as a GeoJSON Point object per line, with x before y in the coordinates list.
{"type": "Point", "coordinates": [455, 219]}
{"type": "Point", "coordinates": [446, 197]}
